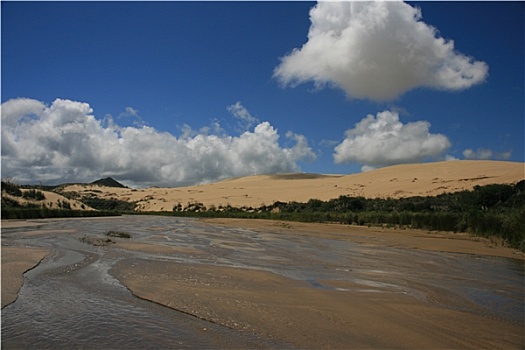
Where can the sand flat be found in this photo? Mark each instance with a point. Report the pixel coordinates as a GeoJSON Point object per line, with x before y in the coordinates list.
{"type": "Point", "coordinates": [340, 314]}
{"type": "Point", "coordinates": [439, 241]}
{"type": "Point", "coordinates": [348, 315]}
{"type": "Point", "coordinates": [240, 274]}
{"type": "Point", "coordinates": [278, 308]}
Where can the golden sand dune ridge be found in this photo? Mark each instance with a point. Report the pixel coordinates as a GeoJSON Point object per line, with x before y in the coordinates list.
{"type": "Point", "coordinates": [423, 179]}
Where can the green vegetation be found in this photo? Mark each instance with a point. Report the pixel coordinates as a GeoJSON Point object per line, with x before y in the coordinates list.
{"type": "Point", "coordinates": [64, 204]}
{"type": "Point", "coordinates": [96, 241]}
{"type": "Point", "coordinates": [488, 211]}
{"type": "Point", "coordinates": [118, 234]}
{"type": "Point", "coordinates": [11, 188]}
{"type": "Point", "coordinates": [108, 204]}
{"type": "Point", "coordinates": [12, 209]}
{"type": "Point", "coordinates": [43, 212]}
{"type": "Point", "coordinates": [34, 195]}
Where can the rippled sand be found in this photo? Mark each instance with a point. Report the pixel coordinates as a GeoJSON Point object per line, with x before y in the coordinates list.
{"type": "Point", "coordinates": [327, 313]}
{"type": "Point", "coordinates": [314, 285]}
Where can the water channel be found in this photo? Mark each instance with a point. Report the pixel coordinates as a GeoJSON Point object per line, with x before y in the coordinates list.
{"type": "Point", "coordinates": [72, 300]}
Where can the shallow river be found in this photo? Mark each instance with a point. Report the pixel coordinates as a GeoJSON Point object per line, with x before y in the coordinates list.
{"type": "Point", "coordinates": [72, 300]}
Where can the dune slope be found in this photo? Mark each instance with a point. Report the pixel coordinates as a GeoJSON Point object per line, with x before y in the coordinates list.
{"type": "Point", "coordinates": [424, 179]}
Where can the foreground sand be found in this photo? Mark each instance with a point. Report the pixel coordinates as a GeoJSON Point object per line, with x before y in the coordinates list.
{"type": "Point", "coordinates": [342, 315]}
{"type": "Point", "coordinates": [427, 179]}
{"type": "Point", "coordinates": [15, 262]}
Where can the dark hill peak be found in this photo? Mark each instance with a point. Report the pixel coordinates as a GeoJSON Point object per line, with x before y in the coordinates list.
{"type": "Point", "coordinates": [108, 182]}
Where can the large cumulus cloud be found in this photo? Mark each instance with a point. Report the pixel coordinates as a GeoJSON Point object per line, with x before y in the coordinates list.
{"type": "Point", "coordinates": [377, 51]}
{"type": "Point", "coordinates": [64, 142]}
{"type": "Point", "coordinates": [383, 140]}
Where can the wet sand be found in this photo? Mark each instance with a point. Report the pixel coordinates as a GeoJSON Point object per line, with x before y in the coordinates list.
{"type": "Point", "coordinates": [340, 314]}
{"type": "Point", "coordinates": [381, 236]}
{"type": "Point", "coordinates": [278, 308]}
{"type": "Point", "coordinates": [15, 262]}
{"type": "Point", "coordinates": [371, 311]}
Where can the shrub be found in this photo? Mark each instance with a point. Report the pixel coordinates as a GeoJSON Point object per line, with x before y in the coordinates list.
{"type": "Point", "coordinates": [11, 188]}
{"type": "Point", "coordinates": [96, 241]}
{"type": "Point", "coordinates": [35, 212]}
{"type": "Point", "coordinates": [34, 194]}
{"type": "Point", "coordinates": [109, 204]}
{"type": "Point", "coordinates": [118, 234]}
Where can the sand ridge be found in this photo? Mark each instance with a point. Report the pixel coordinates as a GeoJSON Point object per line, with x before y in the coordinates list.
{"type": "Point", "coordinates": [422, 179]}
{"type": "Point", "coordinates": [52, 200]}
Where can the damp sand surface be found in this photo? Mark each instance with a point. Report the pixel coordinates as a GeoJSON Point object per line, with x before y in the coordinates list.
{"type": "Point", "coordinates": [225, 283]}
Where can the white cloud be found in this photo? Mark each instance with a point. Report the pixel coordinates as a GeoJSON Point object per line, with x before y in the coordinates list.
{"type": "Point", "coordinates": [241, 113]}
{"type": "Point", "coordinates": [366, 168]}
{"type": "Point", "coordinates": [301, 149]}
{"type": "Point", "coordinates": [384, 140]}
{"type": "Point", "coordinates": [484, 153]}
{"type": "Point", "coordinates": [130, 111]}
{"type": "Point", "coordinates": [377, 51]}
{"type": "Point", "coordinates": [130, 116]}
{"type": "Point", "coordinates": [65, 142]}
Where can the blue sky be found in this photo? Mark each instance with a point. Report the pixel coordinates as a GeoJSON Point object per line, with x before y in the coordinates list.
{"type": "Point", "coordinates": [177, 93]}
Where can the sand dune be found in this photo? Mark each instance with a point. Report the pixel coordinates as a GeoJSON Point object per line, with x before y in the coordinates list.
{"type": "Point", "coordinates": [52, 201]}
{"type": "Point", "coordinates": [424, 179]}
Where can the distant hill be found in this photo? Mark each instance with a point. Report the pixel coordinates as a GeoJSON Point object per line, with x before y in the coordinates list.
{"type": "Point", "coordinates": [108, 182]}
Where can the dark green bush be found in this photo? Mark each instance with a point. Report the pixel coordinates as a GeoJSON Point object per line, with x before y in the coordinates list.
{"type": "Point", "coordinates": [40, 213]}
{"type": "Point", "coordinates": [34, 194]}
{"type": "Point", "coordinates": [11, 188]}
{"type": "Point", "coordinates": [118, 234]}
{"type": "Point", "coordinates": [109, 204]}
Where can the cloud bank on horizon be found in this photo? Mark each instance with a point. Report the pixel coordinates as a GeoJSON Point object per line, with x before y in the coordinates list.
{"type": "Point", "coordinates": [376, 51]}
{"type": "Point", "coordinates": [64, 142]}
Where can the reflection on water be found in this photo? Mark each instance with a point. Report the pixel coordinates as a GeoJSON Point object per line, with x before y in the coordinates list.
{"type": "Point", "coordinates": [72, 300]}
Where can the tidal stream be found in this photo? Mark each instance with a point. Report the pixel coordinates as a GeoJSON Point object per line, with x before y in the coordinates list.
{"type": "Point", "coordinates": [72, 300]}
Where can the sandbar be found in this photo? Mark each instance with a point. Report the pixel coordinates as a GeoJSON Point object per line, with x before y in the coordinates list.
{"type": "Point", "coordinates": [15, 262]}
